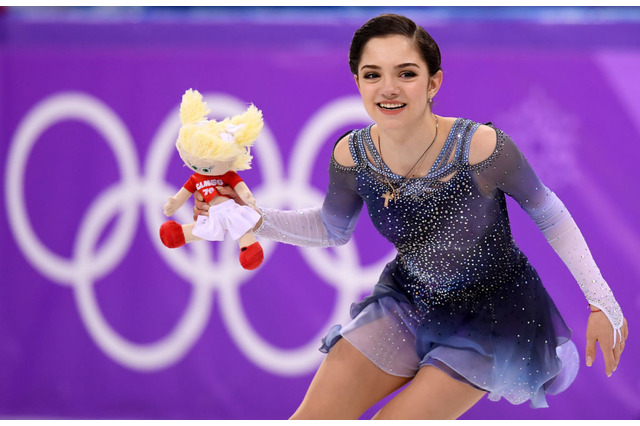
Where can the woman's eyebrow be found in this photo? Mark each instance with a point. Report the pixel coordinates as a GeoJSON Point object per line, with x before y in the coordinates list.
{"type": "Point", "coordinates": [407, 64]}
{"type": "Point", "coordinates": [404, 65]}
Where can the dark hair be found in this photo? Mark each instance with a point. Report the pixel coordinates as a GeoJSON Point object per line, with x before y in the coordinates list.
{"type": "Point", "coordinates": [391, 24]}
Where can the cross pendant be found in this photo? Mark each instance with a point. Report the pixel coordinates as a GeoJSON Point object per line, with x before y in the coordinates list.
{"type": "Point", "coordinates": [387, 196]}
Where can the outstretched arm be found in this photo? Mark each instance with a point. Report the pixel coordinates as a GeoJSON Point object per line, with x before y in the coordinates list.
{"type": "Point", "coordinates": [329, 225]}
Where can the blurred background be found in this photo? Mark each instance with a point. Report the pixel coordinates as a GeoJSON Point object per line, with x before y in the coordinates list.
{"type": "Point", "coordinates": [98, 320]}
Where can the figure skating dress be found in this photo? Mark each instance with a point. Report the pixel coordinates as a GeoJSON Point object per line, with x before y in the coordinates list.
{"type": "Point", "coordinates": [460, 295]}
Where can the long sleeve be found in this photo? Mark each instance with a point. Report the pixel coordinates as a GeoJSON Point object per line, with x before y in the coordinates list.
{"type": "Point", "coordinates": [329, 225]}
{"type": "Point", "coordinates": [511, 173]}
{"type": "Point", "coordinates": [561, 231]}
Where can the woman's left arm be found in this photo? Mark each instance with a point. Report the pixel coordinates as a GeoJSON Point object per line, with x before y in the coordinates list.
{"type": "Point", "coordinates": [563, 234]}
{"type": "Point", "coordinates": [512, 174]}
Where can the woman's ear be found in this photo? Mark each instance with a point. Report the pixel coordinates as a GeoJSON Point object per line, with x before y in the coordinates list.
{"type": "Point", "coordinates": [434, 84]}
{"type": "Point", "coordinates": [355, 77]}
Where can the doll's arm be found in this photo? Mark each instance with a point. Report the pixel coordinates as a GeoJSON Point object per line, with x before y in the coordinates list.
{"type": "Point", "coordinates": [243, 191]}
{"type": "Point", "coordinates": [176, 201]}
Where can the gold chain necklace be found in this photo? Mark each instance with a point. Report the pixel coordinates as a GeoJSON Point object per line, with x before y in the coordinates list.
{"type": "Point", "coordinates": [395, 192]}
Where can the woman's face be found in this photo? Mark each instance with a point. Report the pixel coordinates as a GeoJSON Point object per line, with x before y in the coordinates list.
{"type": "Point", "coordinates": [393, 81]}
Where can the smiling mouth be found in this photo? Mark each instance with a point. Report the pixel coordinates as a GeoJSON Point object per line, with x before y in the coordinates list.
{"type": "Point", "coordinates": [391, 106]}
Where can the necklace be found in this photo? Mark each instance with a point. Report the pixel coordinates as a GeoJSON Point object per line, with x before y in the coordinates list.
{"type": "Point", "coordinates": [395, 193]}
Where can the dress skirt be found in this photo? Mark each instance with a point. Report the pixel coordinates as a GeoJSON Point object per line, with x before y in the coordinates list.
{"type": "Point", "coordinates": [509, 341]}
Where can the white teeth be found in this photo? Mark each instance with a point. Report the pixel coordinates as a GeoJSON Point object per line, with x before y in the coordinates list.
{"type": "Point", "coordinates": [391, 106]}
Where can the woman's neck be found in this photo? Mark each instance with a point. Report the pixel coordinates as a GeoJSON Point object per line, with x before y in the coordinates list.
{"type": "Point", "coordinates": [402, 146]}
{"type": "Point", "coordinates": [409, 135]}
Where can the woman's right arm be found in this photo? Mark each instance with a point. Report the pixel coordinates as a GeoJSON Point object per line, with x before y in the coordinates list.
{"type": "Point", "coordinates": [329, 225]}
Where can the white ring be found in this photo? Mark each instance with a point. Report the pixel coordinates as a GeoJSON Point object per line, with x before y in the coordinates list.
{"type": "Point", "coordinates": [49, 111]}
{"type": "Point", "coordinates": [123, 198]}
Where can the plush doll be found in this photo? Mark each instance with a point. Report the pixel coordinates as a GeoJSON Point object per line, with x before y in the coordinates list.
{"type": "Point", "coordinates": [215, 151]}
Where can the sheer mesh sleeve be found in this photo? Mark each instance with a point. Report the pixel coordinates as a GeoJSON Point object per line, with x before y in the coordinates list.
{"type": "Point", "coordinates": [507, 170]}
{"type": "Point", "coordinates": [329, 225]}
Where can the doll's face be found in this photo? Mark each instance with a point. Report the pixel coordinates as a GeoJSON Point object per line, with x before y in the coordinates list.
{"type": "Point", "coordinates": [205, 166]}
{"type": "Point", "coordinates": [210, 167]}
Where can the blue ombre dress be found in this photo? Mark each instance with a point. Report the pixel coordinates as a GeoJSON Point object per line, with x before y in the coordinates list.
{"type": "Point", "coordinates": [460, 295]}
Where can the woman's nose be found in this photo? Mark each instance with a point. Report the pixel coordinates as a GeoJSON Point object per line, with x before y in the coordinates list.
{"type": "Point", "coordinates": [389, 88]}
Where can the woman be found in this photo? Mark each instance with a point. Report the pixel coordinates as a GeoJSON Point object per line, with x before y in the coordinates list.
{"type": "Point", "coordinates": [460, 312]}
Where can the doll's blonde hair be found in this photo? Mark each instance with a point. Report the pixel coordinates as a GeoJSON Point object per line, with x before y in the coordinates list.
{"type": "Point", "coordinates": [226, 140]}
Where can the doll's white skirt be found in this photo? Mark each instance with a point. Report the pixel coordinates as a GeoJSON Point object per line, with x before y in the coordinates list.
{"type": "Point", "coordinates": [227, 216]}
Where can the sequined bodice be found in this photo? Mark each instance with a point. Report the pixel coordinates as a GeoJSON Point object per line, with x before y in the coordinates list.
{"type": "Point", "coordinates": [448, 234]}
{"type": "Point", "coordinates": [451, 227]}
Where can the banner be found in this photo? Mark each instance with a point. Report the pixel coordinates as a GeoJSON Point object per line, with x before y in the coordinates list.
{"type": "Point", "coordinates": [99, 320]}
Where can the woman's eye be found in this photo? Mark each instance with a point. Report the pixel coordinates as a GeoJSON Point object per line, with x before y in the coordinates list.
{"type": "Point", "coordinates": [206, 170]}
{"type": "Point", "coordinates": [408, 74]}
{"type": "Point", "coordinates": [194, 168]}
{"type": "Point", "coordinates": [371, 75]}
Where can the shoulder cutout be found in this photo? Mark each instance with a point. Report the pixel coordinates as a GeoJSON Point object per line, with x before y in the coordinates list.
{"type": "Point", "coordinates": [342, 154]}
{"type": "Point", "coordinates": [483, 143]}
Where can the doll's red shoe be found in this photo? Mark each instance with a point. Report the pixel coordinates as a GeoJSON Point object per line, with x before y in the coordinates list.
{"type": "Point", "coordinates": [252, 256]}
{"type": "Point", "coordinates": [171, 234]}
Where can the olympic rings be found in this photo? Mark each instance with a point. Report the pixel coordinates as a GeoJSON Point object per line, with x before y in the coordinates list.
{"type": "Point", "coordinates": [344, 271]}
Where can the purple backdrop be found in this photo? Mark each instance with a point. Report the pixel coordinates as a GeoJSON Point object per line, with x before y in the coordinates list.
{"type": "Point", "coordinates": [98, 320]}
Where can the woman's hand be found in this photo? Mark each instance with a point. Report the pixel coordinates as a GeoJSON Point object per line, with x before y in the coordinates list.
{"type": "Point", "coordinates": [202, 209]}
{"type": "Point", "coordinates": [600, 329]}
